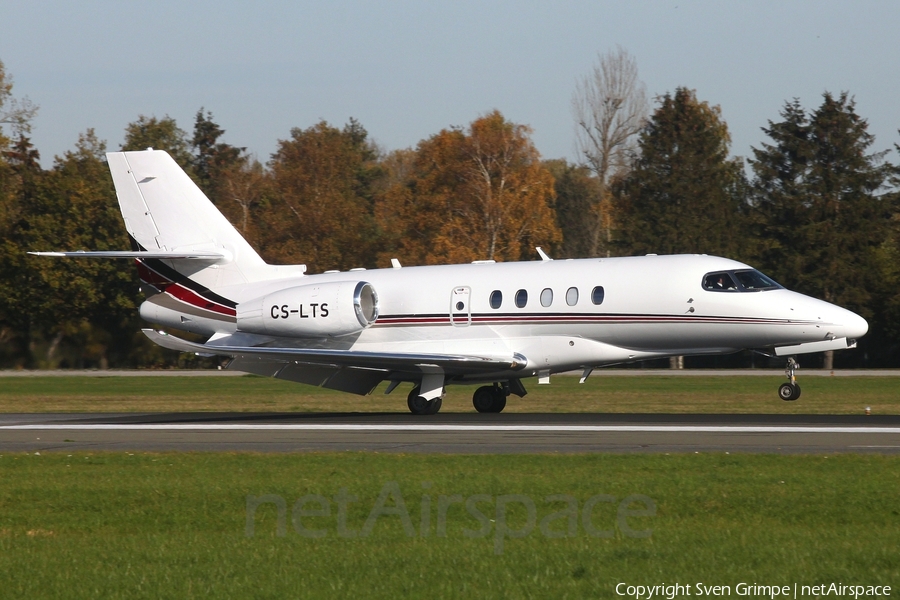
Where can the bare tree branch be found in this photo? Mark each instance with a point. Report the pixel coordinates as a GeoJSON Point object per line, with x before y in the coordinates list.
{"type": "Point", "coordinates": [610, 107]}
{"type": "Point", "coordinates": [17, 113]}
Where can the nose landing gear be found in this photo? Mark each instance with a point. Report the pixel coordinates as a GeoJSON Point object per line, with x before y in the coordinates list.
{"type": "Point", "coordinates": [790, 391]}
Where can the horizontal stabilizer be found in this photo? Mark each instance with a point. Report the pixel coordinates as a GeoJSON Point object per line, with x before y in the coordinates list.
{"type": "Point", "coordinates": [394, 361]}
{"type": "Point", "coordinates": [200, 255]}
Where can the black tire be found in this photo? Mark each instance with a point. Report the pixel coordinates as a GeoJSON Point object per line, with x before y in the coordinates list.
{"type": "Point", "coordinates": [483, 399]}
{"type": "Point", "coordinates": [499, 401]}
{"type": "Point", "coordinates": [789, 391]}
{"type": "Point", "coordinates": [434, 406]}
{"type": "Point", "coordinates": [420, 406]}
{"type": "Point", "coordinates": [785, 391]}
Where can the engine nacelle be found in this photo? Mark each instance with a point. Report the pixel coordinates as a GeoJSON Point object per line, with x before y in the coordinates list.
{"type": "Point", "coordinates": [314, 310]}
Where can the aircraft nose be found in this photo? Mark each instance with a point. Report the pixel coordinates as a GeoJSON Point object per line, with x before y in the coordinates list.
{"type": "Point", "coordinates": [855, 326]}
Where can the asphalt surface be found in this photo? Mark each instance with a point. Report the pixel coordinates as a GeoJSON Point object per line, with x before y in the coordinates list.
{"type": "Point", "coordinates": [449, 433]}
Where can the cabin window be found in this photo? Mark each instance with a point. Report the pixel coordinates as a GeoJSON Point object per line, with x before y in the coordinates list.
{"type": "Point", "coordinates": [597, 295]}
{"type": "Point", "coordinates": [496, 299]}
{"type": "Point", "coordinates": [546, 297]}
{"type": "Point", "coordinates": [521, 298]}
{"type": "Point", "coordinates": [719, 282]}
{"type": "Point", "coordinates": [572, 296]}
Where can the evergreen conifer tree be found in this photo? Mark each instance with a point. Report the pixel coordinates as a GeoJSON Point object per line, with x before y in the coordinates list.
{"type": "Point", "coordinates": [683, 194]}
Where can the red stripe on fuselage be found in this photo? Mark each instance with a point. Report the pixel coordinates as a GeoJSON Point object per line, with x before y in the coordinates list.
{"type": "Point", "coordinates": [192, 298]}
{"type": "Point", "coordinates": [177, 290]}
{"type": "Point", "coordinates": [151, 277]}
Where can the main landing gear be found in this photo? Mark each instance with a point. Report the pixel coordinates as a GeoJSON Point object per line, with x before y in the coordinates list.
{"type": "Point", "coordinates": [791, 390]}
{"type": "Point", "coordinates": [490, 398]}
{"type": "Point", "coordinates": [487, 398]}
{"type": "Point", "coordinates": [420, 406]}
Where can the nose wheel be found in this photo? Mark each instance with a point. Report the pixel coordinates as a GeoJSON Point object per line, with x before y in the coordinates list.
{"type": "Point", "coordinates": [791, 390]}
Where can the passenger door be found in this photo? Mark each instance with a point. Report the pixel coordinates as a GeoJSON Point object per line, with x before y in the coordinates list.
{"type": "Point", "coordinates": [460, 312]}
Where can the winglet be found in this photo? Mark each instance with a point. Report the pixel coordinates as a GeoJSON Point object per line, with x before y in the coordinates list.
{"type": "Point", "coordinates": [542, 254]}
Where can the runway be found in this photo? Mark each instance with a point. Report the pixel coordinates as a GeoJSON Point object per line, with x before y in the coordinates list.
{"type": "Point", "coordinates": [449, 433]}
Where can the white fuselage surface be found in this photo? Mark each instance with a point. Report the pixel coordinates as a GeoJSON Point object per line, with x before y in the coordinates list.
{"type": "Point", "coordinates": [651, 306]}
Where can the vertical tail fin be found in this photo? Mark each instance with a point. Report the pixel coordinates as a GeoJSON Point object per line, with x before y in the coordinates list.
{"type": "Point", "coordinates": [164, 210]}
{"type": "Point", "coordinates": [186, 250]}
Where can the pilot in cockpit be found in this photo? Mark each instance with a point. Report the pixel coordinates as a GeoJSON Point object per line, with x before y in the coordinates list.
{"type": "Point", "coordinates": [718, 282]}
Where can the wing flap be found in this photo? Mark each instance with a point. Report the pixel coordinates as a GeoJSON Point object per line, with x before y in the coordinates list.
{"type": "Point", "coordinates": [308, 374]}
{"type": "Point", "coordinates": [251, 364]}
{"type": "Point", "coordinates": [355, 381]}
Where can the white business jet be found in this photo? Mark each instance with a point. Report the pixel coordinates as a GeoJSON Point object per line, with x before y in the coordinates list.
{"type": "Point", "coordinates": [489, 323]}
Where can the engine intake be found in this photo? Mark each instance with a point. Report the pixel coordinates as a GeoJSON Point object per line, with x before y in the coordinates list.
{"type": "Point", "coordinates": [329, 309]}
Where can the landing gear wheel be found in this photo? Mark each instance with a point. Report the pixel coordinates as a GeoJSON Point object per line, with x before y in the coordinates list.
{"type": "Point", "coordinates": [789, 391]}
{"type": "Point", "coordinates": [489, 399]}
{"type": "Point", "coordinates": [420, 406]}
{"type": "Point", "coordinates": [483, 399]}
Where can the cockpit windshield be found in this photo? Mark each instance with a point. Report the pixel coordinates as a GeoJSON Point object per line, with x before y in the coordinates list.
{"type": "Point", "coordinates": [754, 281]}
{"type": "Point", "coordinates": [746, 280]}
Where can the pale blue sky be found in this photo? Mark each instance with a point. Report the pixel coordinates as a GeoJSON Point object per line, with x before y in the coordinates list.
{"type": "Point", "coordinates": [406, 70]}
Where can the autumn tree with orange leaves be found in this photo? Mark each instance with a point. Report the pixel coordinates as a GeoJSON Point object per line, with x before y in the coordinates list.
{"type": "Point", "coordinates": [475, 194]}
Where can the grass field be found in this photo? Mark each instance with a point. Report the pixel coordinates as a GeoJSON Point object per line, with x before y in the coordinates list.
{"type": "Point", "coordinates": [175, 525]}
{"type": "Point", "coordinates": [601, 393]}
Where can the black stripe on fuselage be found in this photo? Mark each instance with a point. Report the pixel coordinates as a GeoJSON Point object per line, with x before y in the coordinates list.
{"type": "Point", "coordinates": [174, 276]}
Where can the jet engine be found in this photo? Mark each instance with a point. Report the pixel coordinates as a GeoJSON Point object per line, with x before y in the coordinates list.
{"type": "Point", "coordinates": [327, 309]}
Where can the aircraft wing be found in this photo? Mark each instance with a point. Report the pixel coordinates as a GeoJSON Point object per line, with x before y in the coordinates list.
{"type": "Point", "coordinates": [196, 255]}
{"type": "Point", "coordinates": [347, 370]}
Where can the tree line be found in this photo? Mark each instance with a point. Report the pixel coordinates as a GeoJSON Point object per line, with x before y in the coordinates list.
{"type": "Point", "coordinates": [814, 207]}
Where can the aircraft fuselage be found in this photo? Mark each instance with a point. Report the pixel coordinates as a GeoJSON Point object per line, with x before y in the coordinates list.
{"type": "Point", "coordinates": [547, 311]}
